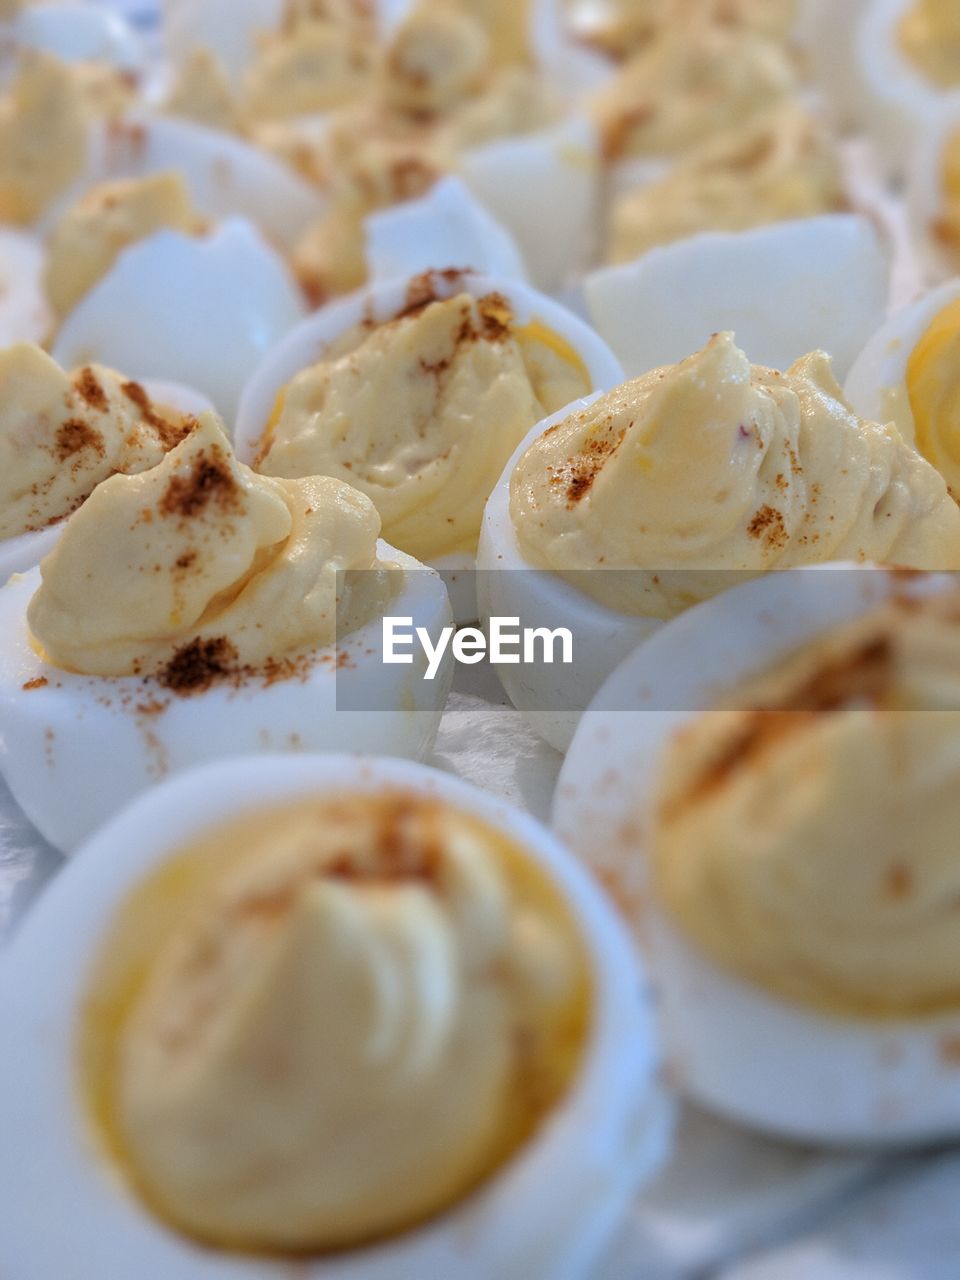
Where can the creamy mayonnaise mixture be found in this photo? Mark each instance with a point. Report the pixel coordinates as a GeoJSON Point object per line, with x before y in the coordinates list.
{"type": "Point", "coordinates": [348, 1012]}
{"type": "Point", "coordinates": [62, 434]}
{"type": "Point", "coordinates": [805, 837]}
{"type": "Point", "coordinates": [43, 137]}
{"type": "Point", "coordinates": [783, 165]}
{"type": "Point", "coordinates": [714, 464]}
{"type": "Point", "coordinates": [421, 413]}
{"type": "Point", "coordinates": [200, 567]}
{"type": "Point", "coordinates": [687, 84]}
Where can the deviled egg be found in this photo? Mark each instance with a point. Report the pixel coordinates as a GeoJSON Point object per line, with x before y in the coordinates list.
{"type": "Point", "coordinates": [406, 1022]}
{"type": "Point", "coordinates": [198, 610]}
{"type": "Point", "coordinates": [906, 64]}
{"type": "Point", "coordinates": [777, 817]}
{"type": "Point", "coordinates": [63, 434]}
{"type": "Point", "coordinates": [417, 392]}
{"type": "Point", "coordinates": [907, 374]}
{"type": "Point", "coordinates": [624, 512]}
{"type": "Point", "coordinates": [201, 310]}
{"type": "Point", "coordinates": [783, 166]}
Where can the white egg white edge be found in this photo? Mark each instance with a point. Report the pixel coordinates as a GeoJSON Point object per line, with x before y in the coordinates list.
{"type": "Point", "coordinates": [747, 1056]}
{"type": "Point", "coordinates": [666, 304]}
{"type": "Point", "coordinates": [552, 697]}
{"type": "Point", "coordinates": [25, 314]}
{"type": "Point", "coordinates": [242, 297]}
{"type": "Point", "coordinates": [76, 32]}
{"type": "Point", "coordinates": [881, 366]}
{"type": "Point", "coordinates": [25, 550]}
{"type": "Point", "coordinates": [558, 1201]}
{"type": "Point", "coordinates": [381, 301]}
{"type": "Point", "coordinates": [896, 101]}
{"type": "Point", "coordinates": [77, 749]}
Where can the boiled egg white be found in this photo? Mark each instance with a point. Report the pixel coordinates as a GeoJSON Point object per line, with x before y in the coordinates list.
{"type": "Point", "coordinates": [753, 1058]}
{"type": "Point", "coordinates": [786, 289]}
{"type": "Point", "coordinates": [25, 315]}
{"type": "Point", "coordinates": [198, 310]}
{"type": "Point", "coordinates": [905, 374]}
{"type": "Point", "coordinates": [898, 101]}
{"type": "Point", "coordinates": [445, 228]}
{"type": "Point", "coordinates": [76, 32]}
{"type": "Point", "coordinates": [552, 697]}
{"type": "Point", "coordinates": [548, 1214]}
{"type": "Point", "coordinates": [544, 188]}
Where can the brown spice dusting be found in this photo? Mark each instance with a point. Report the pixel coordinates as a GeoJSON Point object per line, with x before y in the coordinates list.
{"type": "Point", "coordinates": [208, 482]}
{"type": "Point", "coordinates": [38, 682]}
{"type": "Point", "coordinates": [578, 473]}
{"type": "Point", "coordinates": [170, 433]}
{"type": "Point", "coordinates": [199, 664]}
{"type": "Point", "coordinates": [862, 675]}
{"type": "Point", "coordinates": [187, 560]}
{"type": "Point", "coordinates": [496, 316]}
{"type": "Point", "coordinates": [767, 525]}
{"type": "Point", "coordinates": [408, 844]}
{"type": "Point", "coordinates": [899, 882]}
{"type": "Point", "coordinates": [74, 436]}
{"type": "Point", "coordinates": [88, 385]}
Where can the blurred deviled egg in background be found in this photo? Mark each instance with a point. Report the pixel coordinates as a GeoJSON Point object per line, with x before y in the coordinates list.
{"type": "Point", "coordinates": [417, 391]}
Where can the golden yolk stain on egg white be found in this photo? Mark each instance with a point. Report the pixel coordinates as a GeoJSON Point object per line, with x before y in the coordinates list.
{"type": "Point", "coordinates": [174, 987]}
{"type": "Point", "coordinates": [929, 34]}
{"type": "Point", "coordinates": [933, 388]}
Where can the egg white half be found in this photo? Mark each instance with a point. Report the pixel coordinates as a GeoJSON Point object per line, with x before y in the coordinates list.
{"type": "Point", "coordinates": [748, 1056]}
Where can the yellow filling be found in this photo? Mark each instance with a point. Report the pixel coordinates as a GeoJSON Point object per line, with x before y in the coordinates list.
{"type": "Point", "coordinates": [929, 35]}
{"type": "Point", "coordinates": [367, 1003]}
{"type": "Point", "coordinates": [933, 387]}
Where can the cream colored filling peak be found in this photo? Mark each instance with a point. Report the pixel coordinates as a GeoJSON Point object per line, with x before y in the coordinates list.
{"type": "Point", "coordinates": [201, 551]}
{"type": "Point", "coordinates": [61, 435]}
{"type": "Point", "coordinates": [350, 1011]}
{"type": "Point", "coordinates": [714, 464]}
{"type": "Point", "coordinates": [422, 414]}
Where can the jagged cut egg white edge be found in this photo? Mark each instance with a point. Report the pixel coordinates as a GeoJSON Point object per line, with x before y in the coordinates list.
{"type": "Point", "coordinates": [552, 697]}
{"type": "Point", "coordinates": [738, 1051]}
{"type": "Point", "coordinates": [75, 748]}
{"type": "Point", "coordinates": [25, 550]}
{"type": "Point", "coordinates": [380, 302]}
